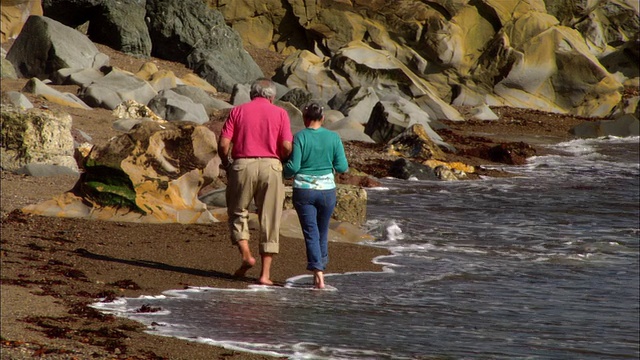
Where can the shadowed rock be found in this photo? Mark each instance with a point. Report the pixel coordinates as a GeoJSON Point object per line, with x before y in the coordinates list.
{"type": "Point", "coordinates": [212, 49]}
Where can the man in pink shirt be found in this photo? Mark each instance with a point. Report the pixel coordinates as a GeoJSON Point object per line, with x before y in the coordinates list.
{"type": "Point", "coordinates": [255, 139]}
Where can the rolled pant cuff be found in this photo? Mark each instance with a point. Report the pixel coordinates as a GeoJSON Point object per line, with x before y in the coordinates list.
{"type": "Point", "coordinates": [269, 248]}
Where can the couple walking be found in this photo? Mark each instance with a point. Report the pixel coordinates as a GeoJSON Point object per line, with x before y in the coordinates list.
{"type": "Point", "coordinates": [255, 142]}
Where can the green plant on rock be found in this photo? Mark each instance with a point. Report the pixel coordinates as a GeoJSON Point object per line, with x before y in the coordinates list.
{"type": "Point", "coordinates": [108, 187]}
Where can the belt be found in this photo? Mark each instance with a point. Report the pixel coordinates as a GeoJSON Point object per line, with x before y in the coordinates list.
{"type": "Point", "coordinates": [257, 157]}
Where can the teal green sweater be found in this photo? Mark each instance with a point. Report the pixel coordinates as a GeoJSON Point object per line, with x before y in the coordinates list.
{"type": "Point", "coordinates": [316, 152]}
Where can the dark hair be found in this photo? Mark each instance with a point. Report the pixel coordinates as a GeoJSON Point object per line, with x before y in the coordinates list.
{"type": "Point", "coordinates": [264, 88]}
{"type": "Point", "coordinates": [313, 111]}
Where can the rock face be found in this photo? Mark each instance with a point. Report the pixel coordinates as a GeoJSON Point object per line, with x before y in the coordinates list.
{"type": "Point", "coordinates": [35, 136]}
{"type": "Point", "coordinates": [212, 49]}
{"type": "Point", "coordinates": [502, 53]}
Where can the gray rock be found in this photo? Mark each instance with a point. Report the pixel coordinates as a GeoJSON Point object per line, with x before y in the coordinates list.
{"type": "Point", "coordinates": [175, 107]}
{"type": "Point", "coordinates": [406, 169]}
{"type": "Point", "coordinates": [483, 112]}
{"type": "Point", "coordinates": [349, 130]}
{"type": "Point", "coordinates": [45, 46]}
{"type": "Point", "coordinates": [356, 103]}
{"type": "Point", "coordinates": [80, 77]}
{"type": "Point", "coordinates": [391, 116]}
{"type": "Point", "coordinates": [624, 126]}
{"type": "Point", "coordinates": [240, 94]}
{"type": "Point", "coordinates": [281, 90]}
{"type": "Point", "coordinates": [80, 137]}
{"type": "Point", "coordinates": [117, 86]}
{"type": "Point", "coordinates": [200, 96]}
{"type": "Point", "coordinates": [331, 116]}
{"type": "Point", "coordinates": [298, 97]}
{"type": "Point", "coordinates": [8, 72]}
{"type": "Point", "coordinates": [353, 135]}
{"type": "Point", "coordinates": [212, 49]}
{"type": "Point", "coordinates": [126, 124]}
{"type": "Point", "coordinates": [215, 198]}
{"type": "Point", "coordinates": [444, 173]}
{"type": "Point", "coordinates": [38, 87]}
{"type": "Point", "coordinates": [17, 99]}
{"type": "Point", "coordinates": [295, 115]}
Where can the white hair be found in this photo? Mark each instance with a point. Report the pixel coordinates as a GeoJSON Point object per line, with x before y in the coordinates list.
{"type": "Point", "coordinates": [264, 88]}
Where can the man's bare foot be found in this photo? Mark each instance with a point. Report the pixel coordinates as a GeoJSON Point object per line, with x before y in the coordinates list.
{"type": "Point", "coordinates": [265, 281]}
{"type": "Point", "coordinates": [246, 265]}
{"type": "Point", "coordinates": [318, 279]}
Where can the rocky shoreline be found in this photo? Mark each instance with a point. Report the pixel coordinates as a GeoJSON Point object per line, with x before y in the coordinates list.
{"type": "Point", "coordinates": [53, 268]}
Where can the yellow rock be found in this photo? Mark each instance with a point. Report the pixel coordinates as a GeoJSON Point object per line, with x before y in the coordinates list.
{"type": "Point", "coordinates": [195, 80]}
{"type": "Point", "coordinates": [14, 14]}
{"type": "Point", "coordinates": [147, 70]}
{"type": "Point", "coordinates": [451, 165]}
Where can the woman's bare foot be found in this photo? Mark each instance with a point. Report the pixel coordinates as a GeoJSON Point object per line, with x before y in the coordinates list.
{"type": "Point", "coordinates": [246, 265]}
{"type": "Point", "coordinates": [264, 281]}
{"type": "Point", "coordinates": [318, 279]}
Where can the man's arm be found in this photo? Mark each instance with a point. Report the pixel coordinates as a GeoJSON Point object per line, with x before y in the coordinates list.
{"type": "Point", "coordinates": [223, 150]}
{"type": "Point", "coordinates": [285, 151]}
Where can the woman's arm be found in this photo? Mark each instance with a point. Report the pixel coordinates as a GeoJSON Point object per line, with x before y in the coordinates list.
{"type": "Point", "coordinates": [293, 164]}
{"type": "Point", "coordinates": [340, 163]}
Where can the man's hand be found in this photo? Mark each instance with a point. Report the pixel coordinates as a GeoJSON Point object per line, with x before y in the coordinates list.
{"type": "Point", "coordinates": [223, 151]}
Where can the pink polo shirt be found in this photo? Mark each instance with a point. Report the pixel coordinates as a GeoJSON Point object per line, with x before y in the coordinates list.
{"type": "Point", "coordinates": [257, 129]}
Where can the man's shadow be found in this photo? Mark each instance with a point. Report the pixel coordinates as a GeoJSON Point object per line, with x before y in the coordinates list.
{"type": "Point", "coordinates": [160, 266]}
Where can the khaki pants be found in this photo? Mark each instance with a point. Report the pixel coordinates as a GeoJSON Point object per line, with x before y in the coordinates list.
{"type": "Point", "coordinates": [260, 180]}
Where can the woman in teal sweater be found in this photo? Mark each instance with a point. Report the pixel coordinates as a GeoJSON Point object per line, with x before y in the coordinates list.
{"type": "Point", "coordinates": [317, 154]}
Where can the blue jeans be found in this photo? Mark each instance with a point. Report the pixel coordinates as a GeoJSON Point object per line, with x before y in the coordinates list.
{"type": "Point", "coordinates": [314, 208]}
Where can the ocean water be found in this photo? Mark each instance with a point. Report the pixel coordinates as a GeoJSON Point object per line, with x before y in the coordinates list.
{"type": "Point", "coordinates": [544, 265]}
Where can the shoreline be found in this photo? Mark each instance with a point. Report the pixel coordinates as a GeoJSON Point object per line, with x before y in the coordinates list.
{"type": "Point", "coordinates": [64, 265]}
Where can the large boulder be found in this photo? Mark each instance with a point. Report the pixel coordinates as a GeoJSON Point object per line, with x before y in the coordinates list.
{"type": "Point", "coordinates": [35, 136]}
{"type": "Point", "coordinates": [414, 142]}
{"type": "Point", "coordinates": [211, 48]}
{"type": "Point", "coordinates": [351, 204]}
{"type": "Point", "coordinates": [392, 115]}
{"type": "Point", "coordinates": [151, 174]}
{"type": "Point", "coordinates": [45, 46]}
{"type": "Point", "coordinates": [117, 24]}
